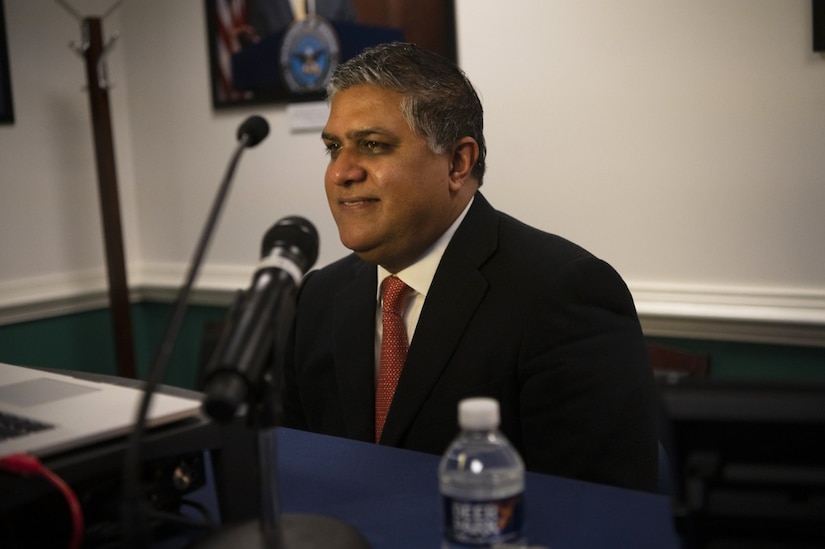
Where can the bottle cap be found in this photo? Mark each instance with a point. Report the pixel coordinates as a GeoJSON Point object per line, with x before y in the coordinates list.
{"type": "Point", "coordinates": [479, 413]}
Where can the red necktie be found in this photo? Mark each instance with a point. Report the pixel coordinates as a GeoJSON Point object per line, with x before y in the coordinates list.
{"type": "Point", "coordinates": [394, 294]}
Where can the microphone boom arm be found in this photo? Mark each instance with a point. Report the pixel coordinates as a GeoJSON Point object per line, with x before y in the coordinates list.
{"type": "Point", "coordinates": [133, 515]}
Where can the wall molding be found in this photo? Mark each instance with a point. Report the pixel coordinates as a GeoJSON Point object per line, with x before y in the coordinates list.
{"type": "Point", "coordinates": [747, 314]}
{"type": "Point", "coordinates": [36, 298]}
{"type": "Point", "coordinates": [759, 315]}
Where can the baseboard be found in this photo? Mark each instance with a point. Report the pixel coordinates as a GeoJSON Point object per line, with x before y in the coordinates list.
{"type": "Point", "coordinates": [747, 314]}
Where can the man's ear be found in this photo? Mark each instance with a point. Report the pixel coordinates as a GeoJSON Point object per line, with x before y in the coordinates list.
{"type": "Point", "coordinates": [464, 157]}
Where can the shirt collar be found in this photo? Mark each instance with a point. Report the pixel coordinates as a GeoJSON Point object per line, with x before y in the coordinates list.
{"type": "Point", "coordinates": [420, 274]}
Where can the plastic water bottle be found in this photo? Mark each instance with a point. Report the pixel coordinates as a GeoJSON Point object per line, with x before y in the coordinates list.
{"type": "Point", "coordinates": [481, 479]}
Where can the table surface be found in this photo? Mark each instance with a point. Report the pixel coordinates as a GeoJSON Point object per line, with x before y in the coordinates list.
{"type": "Point", "coordinates": [391, 496]}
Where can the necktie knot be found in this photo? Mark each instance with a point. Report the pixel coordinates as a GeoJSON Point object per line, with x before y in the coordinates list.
{"type": "Point", "coordinates": [394, 294]}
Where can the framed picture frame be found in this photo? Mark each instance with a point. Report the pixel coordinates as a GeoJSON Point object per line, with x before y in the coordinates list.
{"type": "Point", "coordinates": [258, 49]}
{"type": "Point", "coordinates": [6, 105]}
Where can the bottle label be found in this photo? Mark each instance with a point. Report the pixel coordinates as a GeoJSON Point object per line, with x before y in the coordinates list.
{"type": "Point", "coordinates": [483, 522]}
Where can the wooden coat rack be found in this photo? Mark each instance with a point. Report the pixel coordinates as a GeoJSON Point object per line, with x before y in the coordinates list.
{"type": "Point", "coordinates": [94, 52]}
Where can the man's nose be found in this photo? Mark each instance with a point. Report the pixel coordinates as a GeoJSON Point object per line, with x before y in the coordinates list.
{"type": "Point", "coordinates": [346, 169]}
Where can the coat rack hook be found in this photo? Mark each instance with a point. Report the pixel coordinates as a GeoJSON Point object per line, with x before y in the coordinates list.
{"type": "Point", "coordinates": [102, 72]}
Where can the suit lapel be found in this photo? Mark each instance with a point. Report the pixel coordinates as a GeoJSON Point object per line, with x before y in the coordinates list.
{"type": "Point", "coordinates": [456, 291]}
{"type": "Point", "coordinates": [354, 318]}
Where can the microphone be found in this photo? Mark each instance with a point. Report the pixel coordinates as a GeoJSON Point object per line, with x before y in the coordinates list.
{"type": "Point", "coordinates": [133, 514]}
{"type": "Point", "coordinates": [288, 250]}
{"type": "Point", "coordinates": [253, 130]}
{"type": "Point", "coordinates": [242, 370]}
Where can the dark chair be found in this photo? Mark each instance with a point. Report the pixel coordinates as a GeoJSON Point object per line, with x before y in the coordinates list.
{"type": "Point", "coordinates": [669, 366]}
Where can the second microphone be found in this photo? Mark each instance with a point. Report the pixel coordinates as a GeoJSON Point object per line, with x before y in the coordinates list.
{"type": "Point", "coordinates": [260, 321]}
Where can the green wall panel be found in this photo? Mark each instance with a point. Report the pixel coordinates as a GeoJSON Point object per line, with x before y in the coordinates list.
{"type": "Point", "coordinates": [83, 342]}
{"type": "Point", "coordinates": [80, 341]}
{"type": "Point", "coordinates": [733, 360]}
{"type": "Point", "coordinates": [151, 323]}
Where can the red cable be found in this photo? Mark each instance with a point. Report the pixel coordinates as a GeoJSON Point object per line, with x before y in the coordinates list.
{"type": "Point", "coordinates": [26, 464]}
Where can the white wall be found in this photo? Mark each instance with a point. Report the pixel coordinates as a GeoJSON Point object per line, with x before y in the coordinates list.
{"type": "Point", "coordinates": [680, 140]}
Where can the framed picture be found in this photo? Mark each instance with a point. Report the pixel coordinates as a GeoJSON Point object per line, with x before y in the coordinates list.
{"type": "Point", "coordinates": [6, 106]}
{"type": "Point", "coordinates": [284, 51]}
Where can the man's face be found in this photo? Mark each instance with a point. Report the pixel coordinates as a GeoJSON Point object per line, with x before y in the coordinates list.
{"type": "Point", "coordinates": [389, 194]}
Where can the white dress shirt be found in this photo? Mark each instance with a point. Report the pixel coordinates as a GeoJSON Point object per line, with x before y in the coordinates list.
{"type": "Point", "coordinates": [417, 276]}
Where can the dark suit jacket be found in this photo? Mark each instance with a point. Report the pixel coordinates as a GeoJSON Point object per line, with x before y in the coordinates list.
{"type": "Point", "coordinates": [513, 313]}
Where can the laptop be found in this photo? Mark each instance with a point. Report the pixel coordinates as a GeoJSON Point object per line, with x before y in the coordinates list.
{"type": "Point", "coordinates": [43, 412]}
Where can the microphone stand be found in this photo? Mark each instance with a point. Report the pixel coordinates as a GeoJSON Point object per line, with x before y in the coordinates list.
{"type": "Point", "coordinates": [133, 508]}
{"type": "Point", "coordinates": [274, 530]}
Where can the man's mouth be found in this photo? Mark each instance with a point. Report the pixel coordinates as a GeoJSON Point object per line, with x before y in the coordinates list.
{"type": "Point", "coordinates": [356, 201]}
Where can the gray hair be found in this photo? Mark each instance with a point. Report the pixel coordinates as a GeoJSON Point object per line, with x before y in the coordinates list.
{"type": "Point", "coordinates": [439, 102]}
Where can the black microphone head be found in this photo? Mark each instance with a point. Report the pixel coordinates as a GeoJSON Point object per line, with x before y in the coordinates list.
{"type": "Point", "coordinates": [255, 128]}
{"type": "Point", "coordinates": [295, 235]}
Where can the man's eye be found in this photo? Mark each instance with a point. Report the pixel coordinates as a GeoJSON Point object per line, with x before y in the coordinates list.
{"type": "Point", "coordinates": [332, 148]}
{"type": "Point", "coordinates": [375, 147]}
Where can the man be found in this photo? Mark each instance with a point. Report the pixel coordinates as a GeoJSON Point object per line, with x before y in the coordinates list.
{"type": "Point", "coordinates": [498, 308]}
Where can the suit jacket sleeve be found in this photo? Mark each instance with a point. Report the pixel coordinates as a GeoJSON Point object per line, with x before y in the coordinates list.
{"type": "Point", "coordinates": [587, 395]}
